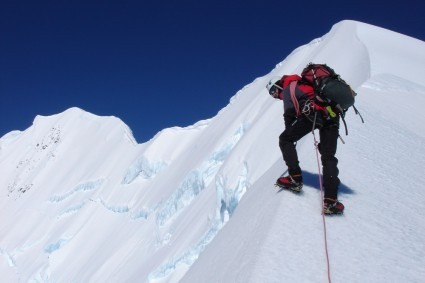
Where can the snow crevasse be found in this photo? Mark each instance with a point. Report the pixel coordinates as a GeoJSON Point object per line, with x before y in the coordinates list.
{"type": "Point", "coordinates": [227, 199]}
{"type": "Point", "coordinates": [198, 179]}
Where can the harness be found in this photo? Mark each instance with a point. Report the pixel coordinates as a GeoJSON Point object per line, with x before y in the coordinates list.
{"type": "Point", "coordinates": [308, 107]}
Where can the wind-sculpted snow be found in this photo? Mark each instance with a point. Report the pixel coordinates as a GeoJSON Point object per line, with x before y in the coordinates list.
{"type": "Point", "coordinates": [11, 262]}
{"type": "Point", "coordinates": [388, 82]}
{"type": "Point", "coordinates": [115, 208]}
{"type": "Point", "coordinates": [80, 203]}
{"type": "Point", "coordinates": [84, 187]}
{"type": "Point", "coordinates": [189, 257]}
{"type": "Point", "coordinates": [10, 137]}
{"type": "Point", "coordinates": [197, 180]}
{"type": "Point", "coordinates": [229, 198]}
{"type": "Point", "coordinates": [192, 185]}
{"type": "Point", "coordinates": [143, 168]}
{"type": "Point", "coordinates": [50, 248]}
{"type": "Point", "coordinates": [72, 209]}
{"type": "Point", "coordinates": [141, 213]}
{"type": "Point", "coordinates": [226, 203]}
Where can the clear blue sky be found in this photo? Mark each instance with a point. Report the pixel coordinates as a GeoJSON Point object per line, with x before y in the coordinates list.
{"type": "Point", "coordinates": [158, 64]}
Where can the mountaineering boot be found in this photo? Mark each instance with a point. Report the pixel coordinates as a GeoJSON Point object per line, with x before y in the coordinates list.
{"type": "Point", "coordinates": [332, 206]}
{"type": "Point", "coordinates": [294, 183]}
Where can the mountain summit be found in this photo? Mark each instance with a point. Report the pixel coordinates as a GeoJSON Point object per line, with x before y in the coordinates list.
{"type": "Point", "coordinates": [81, 201]}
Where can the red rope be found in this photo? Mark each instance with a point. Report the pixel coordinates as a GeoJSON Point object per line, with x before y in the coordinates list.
{"type": "Point", "coordinates": [323, 214]}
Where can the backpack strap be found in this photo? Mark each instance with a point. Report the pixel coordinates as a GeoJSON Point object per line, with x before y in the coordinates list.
{"type": "Point", "coordinates": [358, 113]}
{"type": "Point", "coordinates": [342, 115]}
{"type": "Point", "coordinates": [292, 86]}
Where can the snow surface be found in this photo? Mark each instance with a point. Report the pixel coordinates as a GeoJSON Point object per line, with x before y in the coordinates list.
{"type": "Point", "coordinates": [81, 201]}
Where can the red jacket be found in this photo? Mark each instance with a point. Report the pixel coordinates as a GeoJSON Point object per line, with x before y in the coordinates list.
{"type": "Point", "coordinates": [303, 93]}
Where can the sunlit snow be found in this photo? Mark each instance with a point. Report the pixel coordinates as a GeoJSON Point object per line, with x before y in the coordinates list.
{"type": "Point", "coordinates": [81, 201]}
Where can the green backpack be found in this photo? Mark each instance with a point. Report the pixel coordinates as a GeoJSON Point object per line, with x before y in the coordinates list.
{"type": "Point", "coordinates": [330, 89]}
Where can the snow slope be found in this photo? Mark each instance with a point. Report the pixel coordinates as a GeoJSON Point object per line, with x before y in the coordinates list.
{"type": "Point", "coordinates": [81, 201]}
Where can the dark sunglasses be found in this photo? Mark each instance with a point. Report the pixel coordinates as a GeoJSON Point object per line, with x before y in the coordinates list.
{"type": "Point", "coordinates": [275, 91]}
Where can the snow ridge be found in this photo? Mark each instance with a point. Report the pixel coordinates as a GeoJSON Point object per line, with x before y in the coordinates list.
{"type": "Point", "coordinates": [198, 204]}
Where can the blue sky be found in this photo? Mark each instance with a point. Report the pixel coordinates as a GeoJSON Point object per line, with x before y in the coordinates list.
{"type": "Point", "coordinates": [158, 64]}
